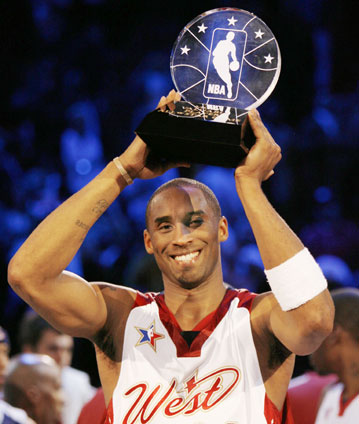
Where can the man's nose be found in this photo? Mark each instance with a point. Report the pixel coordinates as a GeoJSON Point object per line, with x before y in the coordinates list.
{"type": "Point", "coordinates": [182, 235]}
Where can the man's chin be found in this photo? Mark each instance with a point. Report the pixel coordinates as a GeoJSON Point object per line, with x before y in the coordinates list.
{"type": "Point", "coordinates": [189, 285]}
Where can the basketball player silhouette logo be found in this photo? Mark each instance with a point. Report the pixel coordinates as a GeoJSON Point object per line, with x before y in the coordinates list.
{"type": "Point", "coordinates": [224, 64]}
{"type": "Point", "coordinates": [221, 60]}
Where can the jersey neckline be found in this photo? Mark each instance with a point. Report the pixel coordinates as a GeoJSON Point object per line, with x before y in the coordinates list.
{"type": "Point", "coordinates": [205, 327]}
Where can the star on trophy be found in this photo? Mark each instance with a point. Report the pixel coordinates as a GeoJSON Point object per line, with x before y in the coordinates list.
{"type": "Point", "coordinates": [224, 62]}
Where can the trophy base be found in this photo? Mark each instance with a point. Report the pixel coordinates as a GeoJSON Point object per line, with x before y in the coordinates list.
{"type": "Point", "coordinates": [194, 140]}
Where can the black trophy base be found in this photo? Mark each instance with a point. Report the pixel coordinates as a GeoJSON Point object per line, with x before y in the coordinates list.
{"type": "Point", "coordinates": [196, 141]}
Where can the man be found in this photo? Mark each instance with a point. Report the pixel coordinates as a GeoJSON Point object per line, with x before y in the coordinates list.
{"type": "Point", "coordinates": [38, 336]}
{"type": "Point", "coordinates": [339, 354]}
{"type": "Point", "coordinates": [199, 352]}
{"type": "Point", "coordinates": [8, 414]}
{"type": "Point", "coordinates": [305, 391]}
{"type": "Point", "coordinates": [33, 384]}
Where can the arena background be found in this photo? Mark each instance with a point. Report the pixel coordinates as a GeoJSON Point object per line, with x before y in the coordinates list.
{"type": "Point", "coordinates": [77, 76]}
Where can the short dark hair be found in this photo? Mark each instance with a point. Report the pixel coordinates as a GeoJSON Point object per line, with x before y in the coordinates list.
{"type": "Point", "coordinates": [187, 182]}
{"type": "Point", "coordinates": [346, 302]}
{"type": "Point", "coordinates": [31, 329]}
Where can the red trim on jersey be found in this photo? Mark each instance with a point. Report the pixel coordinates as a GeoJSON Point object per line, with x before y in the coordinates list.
{"type": "Point", "coordinates": [143, 299]}
{"type": "Point", "coordinates": [273, 416]}
{"type": "Point", "coordinates": [204, 322]}
{"type": "Point", "coordinates": [205, 327]}
{"type": "Point", "coordinates": [109, 416]}
{"type": "Point", "coordinates": [344, 405]}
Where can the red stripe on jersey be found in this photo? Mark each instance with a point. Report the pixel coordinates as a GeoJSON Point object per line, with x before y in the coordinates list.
{"type": "Point", "coordinates": [143, 299]}
{"type": "Point", "coordinates": [273, 416]}
{"type": "Point", "coordinates": [109, 415]}
{"type": "Point", "coordinates": [343, 405]}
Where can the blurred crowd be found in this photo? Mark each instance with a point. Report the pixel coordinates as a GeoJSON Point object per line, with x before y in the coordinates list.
{"type": "Point", "coordinates": [77, 77]}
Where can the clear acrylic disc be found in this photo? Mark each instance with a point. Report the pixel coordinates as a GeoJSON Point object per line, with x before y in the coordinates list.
{"type": "Point", "coordinates": [226, 57]}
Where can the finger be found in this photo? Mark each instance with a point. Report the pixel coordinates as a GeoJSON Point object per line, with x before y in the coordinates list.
{"type": "Point", "coordinates": [171, 94]}
{"type": "Point", "coordinates": [259, 129]}
{"type": "Point", "coordinates": [165, 100]}
{"type": "Point", "coordinates": [162, 104]}
{"type": "Point", "coordinates": [172, 98]}
{"type": "Point", "coordinates": [177, 97]}
{"type": "Point", "coordinates": [269, 175]}
{"type": "Point", "coordinates": [168, 101]}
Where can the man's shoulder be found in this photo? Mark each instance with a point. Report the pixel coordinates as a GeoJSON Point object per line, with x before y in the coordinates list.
{"type": "Point", "coordinates": [244, 296]}
{"type": "Point", "coordinates": [116, 291]}
{"type": "Point", "coordinates": [11, 415]}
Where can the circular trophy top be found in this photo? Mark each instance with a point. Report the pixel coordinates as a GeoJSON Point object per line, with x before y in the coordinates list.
{"type": "Point", "coordinates": [227, 57]}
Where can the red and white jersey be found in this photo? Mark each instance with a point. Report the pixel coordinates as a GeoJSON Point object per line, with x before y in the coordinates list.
{"type": "Point", "coordinates": [215, 380]}
{"type": "Point", "coordinates": [333, 410]}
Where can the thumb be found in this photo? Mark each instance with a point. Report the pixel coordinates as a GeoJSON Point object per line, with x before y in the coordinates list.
{"type": "Point", "coordinates": [268, 175]}
{"type": "Point", "coordinates": [256, 123]}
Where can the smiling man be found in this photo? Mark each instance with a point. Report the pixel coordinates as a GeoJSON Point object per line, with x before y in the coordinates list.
{"type": "Point", "coordinates": [199, 352]}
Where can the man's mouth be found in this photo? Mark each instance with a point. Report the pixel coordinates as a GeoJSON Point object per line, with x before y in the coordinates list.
{"type": "Point", "coordinates": [187, 258]}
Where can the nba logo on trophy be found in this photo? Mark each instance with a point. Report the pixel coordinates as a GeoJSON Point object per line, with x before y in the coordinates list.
{"type": "Point", "coordinates": [224, 64]}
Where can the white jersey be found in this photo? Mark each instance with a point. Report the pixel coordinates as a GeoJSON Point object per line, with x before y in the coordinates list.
{"type": "Point", "coordinates": [333, 411]}
{"type": "Point", "coordinates": [215, 380]}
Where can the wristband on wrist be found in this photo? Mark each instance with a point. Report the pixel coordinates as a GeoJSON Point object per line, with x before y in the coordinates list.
{"type": "Point", "coordinates": [122, 170]}
{"type": "Point", "coordinates": [296, 281]}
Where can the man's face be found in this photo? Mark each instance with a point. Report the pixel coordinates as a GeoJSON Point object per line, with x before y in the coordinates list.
{"type": "Point", "coordinates": [4, 360]}
{"type": "Point", "coordinates": [51, 399]}
{"type": "Point", "coordinates": [184, 234]}
{"type": "Point", "coordinates": [58, 346]}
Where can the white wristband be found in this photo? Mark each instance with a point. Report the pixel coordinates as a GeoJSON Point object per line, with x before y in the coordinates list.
{"type": "Point", "coordinates": [296, 281]}
{"type": "Point", "coordinates": [123, 171]}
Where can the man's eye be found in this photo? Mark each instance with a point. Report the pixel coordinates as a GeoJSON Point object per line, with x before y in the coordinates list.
{"type": "Point", "coordinates": [165, 227]}
{"type": "Point", "coordinates": [196, 222]}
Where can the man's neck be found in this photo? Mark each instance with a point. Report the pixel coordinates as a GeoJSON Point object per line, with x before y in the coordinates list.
{"type": "Point", "coordinates": [191, 306]}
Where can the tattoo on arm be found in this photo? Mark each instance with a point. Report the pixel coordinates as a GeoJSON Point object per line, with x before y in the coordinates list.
{"type": "Point", "coordinates": [100, 207]}
{"type": "Point", "coordinates": [82, 225]}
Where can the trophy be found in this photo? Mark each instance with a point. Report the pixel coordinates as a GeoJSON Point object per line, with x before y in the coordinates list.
{"type": "Point", "coordinates": [225, 62]}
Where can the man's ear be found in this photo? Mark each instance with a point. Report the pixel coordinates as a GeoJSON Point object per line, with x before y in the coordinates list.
{"type": "Point", "coordinates": [223, 229]}
{"type": "Point", "coordinates": [148, 243]}
{"type": "Point", "coordinates": [336, 336]}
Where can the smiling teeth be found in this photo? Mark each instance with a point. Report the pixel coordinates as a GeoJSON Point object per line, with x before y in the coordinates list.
{"type": "Point", "coordinates": [187, 258]}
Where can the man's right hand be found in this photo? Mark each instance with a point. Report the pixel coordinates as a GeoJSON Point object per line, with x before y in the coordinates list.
{"type": "Point", "coordinates": [139, 161]}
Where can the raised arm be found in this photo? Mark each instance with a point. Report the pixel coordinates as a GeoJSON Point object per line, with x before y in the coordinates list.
{"type": "Point", "coordinates": [301, 328]}
{"type": "Point", "coordinates": [37, 271]}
